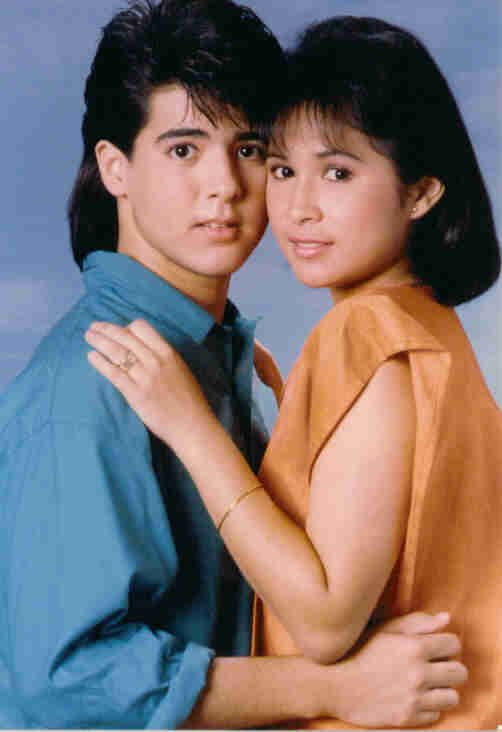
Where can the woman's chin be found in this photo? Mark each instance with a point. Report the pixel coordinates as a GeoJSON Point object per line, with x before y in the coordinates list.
{"type": "Point", "coordinates": [314, 280]}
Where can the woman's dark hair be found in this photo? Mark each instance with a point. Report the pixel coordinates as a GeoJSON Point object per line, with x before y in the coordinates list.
{"type": "Point", "coordinates": [221, 53]}
{"type": "Point", "coordinates": [382, 81]}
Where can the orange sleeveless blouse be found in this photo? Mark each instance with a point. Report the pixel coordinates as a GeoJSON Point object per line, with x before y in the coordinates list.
{"type": "Point", "coordinates": [452, 554]}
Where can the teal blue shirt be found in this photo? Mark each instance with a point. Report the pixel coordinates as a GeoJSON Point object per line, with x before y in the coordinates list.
{"type": "Point", "coordinates": [116, 590]}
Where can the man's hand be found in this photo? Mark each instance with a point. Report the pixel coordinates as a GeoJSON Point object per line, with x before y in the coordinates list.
{"type": "Point", "coordinates": [403, 675]}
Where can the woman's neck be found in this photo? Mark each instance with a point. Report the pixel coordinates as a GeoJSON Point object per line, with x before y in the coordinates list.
{"type": "Point", "coordinates": [398, 274]}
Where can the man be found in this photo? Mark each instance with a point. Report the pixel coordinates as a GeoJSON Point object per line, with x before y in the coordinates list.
{"type": "Point", "coordinates": [117, 590]}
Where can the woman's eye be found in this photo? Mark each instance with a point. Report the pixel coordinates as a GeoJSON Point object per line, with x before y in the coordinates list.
{"type": "Point", "coordinates": [181, 152]}
{"type": "Point", "coordinates": [251, 152]}
{"type": "Point", "coordinates": [337, 174]}
{"type": "Point", "coordinates": [281, 172]}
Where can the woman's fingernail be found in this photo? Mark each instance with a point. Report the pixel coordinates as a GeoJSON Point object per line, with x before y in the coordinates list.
{"type": "Point", "coordinates": [99, 324]}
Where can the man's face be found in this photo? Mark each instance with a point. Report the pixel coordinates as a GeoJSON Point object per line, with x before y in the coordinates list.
{"type": "Point", "coordinates": [193, 202]}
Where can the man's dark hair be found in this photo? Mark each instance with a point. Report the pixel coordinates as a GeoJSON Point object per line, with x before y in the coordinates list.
{"type": "Point", "coordinates": [221, 53]}
{"type": "Point", "coordinates": [382, 81]}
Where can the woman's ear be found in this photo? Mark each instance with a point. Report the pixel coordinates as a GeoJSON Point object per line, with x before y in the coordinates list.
{"type": "Point", "coordinates": [424, 195]}
{"type": "Point", "coordinates": [112, 164]}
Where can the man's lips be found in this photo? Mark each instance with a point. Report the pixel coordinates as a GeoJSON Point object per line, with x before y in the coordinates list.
{"type": "Point", "coordinates": [220, 229]}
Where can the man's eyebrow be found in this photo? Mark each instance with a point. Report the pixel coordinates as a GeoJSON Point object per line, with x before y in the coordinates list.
{"type": "Point", "coordinates": [251, 135]}
{"type": "Point", "coordinates": [329, 152]}
{"type": "Point", "coordinates": [177, 132]}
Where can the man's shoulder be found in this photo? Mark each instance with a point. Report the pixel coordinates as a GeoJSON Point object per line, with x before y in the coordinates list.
{"type": "Point", "coordinates": [59, 384]}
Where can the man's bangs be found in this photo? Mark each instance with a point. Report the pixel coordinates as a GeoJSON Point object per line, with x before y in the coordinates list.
{"type": "Point", "coordinates": [218, 104]}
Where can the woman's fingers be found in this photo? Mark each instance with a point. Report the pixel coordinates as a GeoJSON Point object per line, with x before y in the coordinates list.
{"type": "Point", "coordinates": [150, 374]}
{"type": "Point", "coordinates": [149, 336]}
{"type": "Point", "coordinates": [122, 347]}
{"type": "Point", "coordinates": [113, 373]}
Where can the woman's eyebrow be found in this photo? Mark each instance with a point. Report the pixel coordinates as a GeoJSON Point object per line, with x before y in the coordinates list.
{"type": "Point", "coordinates": [325, 153]}
{"type": "Point", "coordinates": [274, 152]}
{"type": "Point", "coordinates": [331, 151]}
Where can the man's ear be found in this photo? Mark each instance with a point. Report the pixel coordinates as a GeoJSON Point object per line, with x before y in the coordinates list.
{"type": "Point", "coordinates": [424, 196]}
{"type": "Point", "coordinates": [112, 164]}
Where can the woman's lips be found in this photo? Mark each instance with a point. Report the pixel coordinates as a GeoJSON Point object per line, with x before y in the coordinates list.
{"type": "Point", "coordinates": [308, 248]}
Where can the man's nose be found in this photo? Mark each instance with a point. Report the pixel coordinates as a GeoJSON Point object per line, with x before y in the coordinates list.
{"type": "Point", "coordinates": [223, 178]}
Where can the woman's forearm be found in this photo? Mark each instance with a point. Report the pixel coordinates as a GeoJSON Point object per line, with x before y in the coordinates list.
{"type": "Point", "coordinates": [275, 555]}
{"type": "Point", "coordinates": [322, 582]}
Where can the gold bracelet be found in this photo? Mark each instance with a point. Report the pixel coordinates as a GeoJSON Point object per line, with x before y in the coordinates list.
{"type": "Point", "coordinates": [236, 503]}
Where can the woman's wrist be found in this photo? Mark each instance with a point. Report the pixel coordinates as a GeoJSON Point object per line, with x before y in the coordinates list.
{"type": "Point", "coordinates": [218, 469]}
{"type": "Point", "coordinates": [190, 435]}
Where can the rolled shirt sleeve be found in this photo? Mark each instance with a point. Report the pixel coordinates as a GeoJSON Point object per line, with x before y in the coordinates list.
{"type": "Point", "coordinates": [88, 557]}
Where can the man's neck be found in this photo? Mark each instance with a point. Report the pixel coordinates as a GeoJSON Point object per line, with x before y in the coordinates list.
{"type": "Point", "coordinates": [210, 293]}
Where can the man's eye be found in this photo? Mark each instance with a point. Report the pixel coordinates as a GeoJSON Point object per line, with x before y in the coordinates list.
{"type": "Point", "coordinates": [181, 151]}
{"type": "Point", "coordinates": [338, 174]}
{"type": "Point", "coordinates": [251, 152]}
{"type": "Point", "coordinates": [281, 172]}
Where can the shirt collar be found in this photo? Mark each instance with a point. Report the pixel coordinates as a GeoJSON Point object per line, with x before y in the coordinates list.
{"type": "Point", "coordinates": [137, 286]}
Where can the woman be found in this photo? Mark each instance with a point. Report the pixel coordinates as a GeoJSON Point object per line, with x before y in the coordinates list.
{"type": "Point", "coordinates": [383, 476]}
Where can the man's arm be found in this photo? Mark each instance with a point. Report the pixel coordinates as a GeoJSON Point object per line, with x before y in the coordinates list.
{"type": "Point", "coordinates": [87, 557]}
{"type": "Point", "coordinates": [85, 552]}
{"type": "Point", "coordinates": [398, 678]}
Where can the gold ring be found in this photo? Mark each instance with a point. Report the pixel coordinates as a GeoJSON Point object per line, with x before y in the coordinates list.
{"type": "Point", "coordinates": [127, 362]}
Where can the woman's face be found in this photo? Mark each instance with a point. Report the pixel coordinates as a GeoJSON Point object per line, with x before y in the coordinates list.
{"type": "Point", "coordinates": [338, 210]}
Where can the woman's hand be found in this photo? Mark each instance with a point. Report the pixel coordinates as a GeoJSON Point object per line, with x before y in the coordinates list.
{"type": "Point", "coordinates": [152, 377]}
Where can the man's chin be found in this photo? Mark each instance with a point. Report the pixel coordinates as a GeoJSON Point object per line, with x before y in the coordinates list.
{"type": "Point", "coordinates": [226, 265]}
